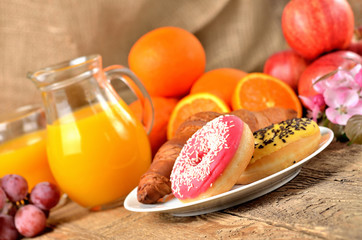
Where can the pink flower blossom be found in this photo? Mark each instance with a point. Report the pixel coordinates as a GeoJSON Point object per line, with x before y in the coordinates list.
{"type": "Point", "coordinates": [342, 104]}
{"type": "Point", "coordinates": [315, 103]}
{"type": "Point", "coordinates": [340, 92]}
{"type": "Point", "coordinates": [342, 78]}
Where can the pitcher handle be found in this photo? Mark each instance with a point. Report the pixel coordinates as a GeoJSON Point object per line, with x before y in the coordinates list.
{"type": "Point", "coordinates": [118, 72]}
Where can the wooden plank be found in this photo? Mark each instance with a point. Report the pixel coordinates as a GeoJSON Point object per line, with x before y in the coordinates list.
{"type": "Point", "coordinates": [322, 202]}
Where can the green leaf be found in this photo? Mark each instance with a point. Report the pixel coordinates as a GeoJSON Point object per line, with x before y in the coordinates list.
{"type": "Point", "coordinates": [353, 129]}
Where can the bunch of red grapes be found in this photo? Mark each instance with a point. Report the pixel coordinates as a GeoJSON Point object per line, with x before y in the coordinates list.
{"type": "Point", "coordinates": [23, 213]}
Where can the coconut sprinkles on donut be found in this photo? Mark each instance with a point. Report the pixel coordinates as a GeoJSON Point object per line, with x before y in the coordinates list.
{"type": "Point", "coordinates": [212, 159]}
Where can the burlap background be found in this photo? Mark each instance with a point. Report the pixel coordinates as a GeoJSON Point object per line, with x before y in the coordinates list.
{"type": "Point", "coordinates": [37, 33]}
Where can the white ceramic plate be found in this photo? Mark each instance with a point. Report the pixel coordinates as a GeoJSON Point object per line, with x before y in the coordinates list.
{"type": "Point", "coordinates": [237, 195]}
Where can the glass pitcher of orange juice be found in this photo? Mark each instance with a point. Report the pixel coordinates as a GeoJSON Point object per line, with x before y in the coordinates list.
{"type": "Point", "coordinates": [22, 145]}
{"type": "Point", "coordinates": [97, 149]}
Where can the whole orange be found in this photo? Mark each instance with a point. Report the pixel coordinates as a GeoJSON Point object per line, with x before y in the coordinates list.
{"type": "Point", "coordinates": [168, 60]}
{"type": "Point", "coordinates": [163, 108]}
{"type": "Point", "coordinates": [162, 111]}
{"type": "Point", "coordinates": [220, 82]}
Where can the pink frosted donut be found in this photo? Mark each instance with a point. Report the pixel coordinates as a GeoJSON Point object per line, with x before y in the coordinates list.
{"type": "Point", "coordinates": [212, 160]}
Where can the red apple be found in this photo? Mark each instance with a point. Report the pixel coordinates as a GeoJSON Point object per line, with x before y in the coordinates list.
{"type": "Point", "coordinates": [323, 66]}
{"type": "Point", "coordinates": [356, 43]}
{"type": "Point", "coordinates": [313, 27]}
{"type": "Point", "coordinates": [287, 66]}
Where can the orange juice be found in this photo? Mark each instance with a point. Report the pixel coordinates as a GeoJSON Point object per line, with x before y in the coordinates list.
{"type": "Point", "coordinates": [98, 155]}
{"type": "Point", "coordinates": [26, 156]}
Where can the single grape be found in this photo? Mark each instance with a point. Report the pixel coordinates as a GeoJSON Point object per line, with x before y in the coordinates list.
{"type": "Point", "coordinates": [7, 228]}
{"type": "Point", "coordinates": [30, 220]}
{"type": "Point", "coordinates": [2, 198]}
{"type": "Point", "coordinates": [45, 195]}
{"type": "Point", "coordinates": [15, 187]}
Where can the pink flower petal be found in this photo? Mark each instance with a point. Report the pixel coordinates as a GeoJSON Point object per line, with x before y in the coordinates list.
{"type": "Point", "coordinates": [358, 78]}
{"type": "Point", "coordinates": [356, 110]}
{"type": "Point", "coordinates": [342, 119]}
{"type": "Point", "coordinates": [307, 102]}
{"type": "Point", "coordinates": [315, 112]}
{"type": "Point", "coordinates": [330, 98]}
{"type": "Point", "coordinates": [351, 98]}
{"type": "Point", "coordinates": [340, 96]}
{"type": "Point", "coordinates": [319, 100]}
{"type": "Point", "coordinates": [342, 78]}
{"type": "Point", "coordinates": [335, 117]}
{"type": "Point", "coordinates": [320, 86]}
{"type": "Point", "coordinates": [332, 114]}
{"type": "Point", "coordinates": [315, 104]}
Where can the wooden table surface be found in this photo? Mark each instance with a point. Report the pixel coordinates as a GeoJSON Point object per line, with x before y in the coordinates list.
{"type": "Point", "coordinates": [323, 202]}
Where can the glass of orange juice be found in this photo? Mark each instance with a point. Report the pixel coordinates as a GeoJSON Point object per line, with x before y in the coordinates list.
{"type": "Point", "coordinates": [22, 145]}
{"type": "Point", "coordinates": [97, 148]}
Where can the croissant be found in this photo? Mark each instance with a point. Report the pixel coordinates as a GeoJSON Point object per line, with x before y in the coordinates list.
{"type": "Point", "coordinates": [155, 184]}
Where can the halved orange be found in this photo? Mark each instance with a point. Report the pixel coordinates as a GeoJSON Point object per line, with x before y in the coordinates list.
{"type": "Point", "coordinates": [258, 91]}
{"type": "Point", "coordinates": [191, 104]}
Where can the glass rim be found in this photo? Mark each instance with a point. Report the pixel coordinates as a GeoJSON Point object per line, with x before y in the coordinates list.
{"type": "Point", "coordinates": [21, 113]}
{"type": "Point", "coordinates": [64, 65]}
{"type": "Point", "coordinates": [44, 83]}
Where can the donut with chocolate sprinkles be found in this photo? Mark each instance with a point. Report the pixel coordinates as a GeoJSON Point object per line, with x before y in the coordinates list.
{"type": "Point", "coordinates": [279, 146]}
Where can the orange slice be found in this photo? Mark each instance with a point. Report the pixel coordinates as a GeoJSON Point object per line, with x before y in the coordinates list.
{"type": "Point", "coordinates": [258, 91]}
{"type": "Point", "coordinates": [191, 104]}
